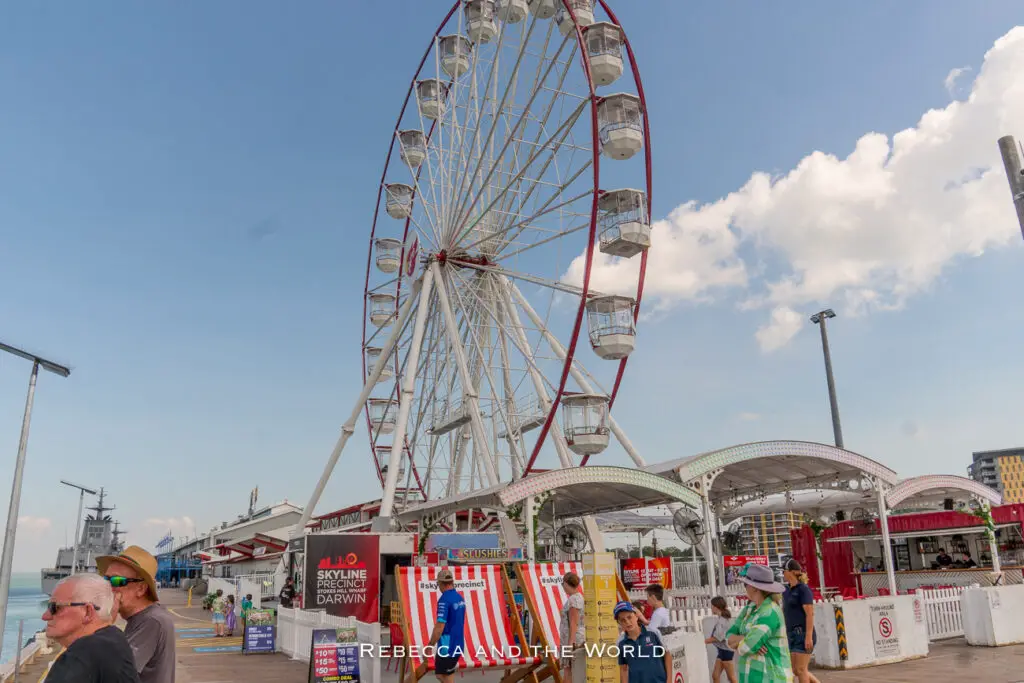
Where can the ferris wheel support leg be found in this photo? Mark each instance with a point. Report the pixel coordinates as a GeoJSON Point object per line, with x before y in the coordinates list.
{"type": "Point", "coordinates": [559, 350]}
{"type": "Point", "coordinates": [469, 390]}
{"type": "Point", "coordinates": [523, 346]}
{"type": "Point", "coordinates": [383, 521]}
{"type": "Point", "coordinates": [350, 424]}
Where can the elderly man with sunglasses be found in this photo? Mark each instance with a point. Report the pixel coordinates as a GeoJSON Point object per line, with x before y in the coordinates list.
{"type": "Point", "coordinates": [79, 617]}
{"type": "Point", "coordinates": [150, 627]}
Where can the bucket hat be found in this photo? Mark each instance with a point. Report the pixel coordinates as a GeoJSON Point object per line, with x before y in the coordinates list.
{"type": "Point", "coordinates": [136, 558]}
{"type": "Point", "coordinates": [760, 577]}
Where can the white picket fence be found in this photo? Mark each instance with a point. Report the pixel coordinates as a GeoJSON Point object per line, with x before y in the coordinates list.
{"type": "Point", "coordinates": [942, 612]}
{"type": "Point", "coordinates": [295, 637]}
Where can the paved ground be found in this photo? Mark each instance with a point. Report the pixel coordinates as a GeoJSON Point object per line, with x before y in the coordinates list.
{"type": "Point", "coordinates": [950, 660]}
{"type": "Point", "coordinates": [204, 659]}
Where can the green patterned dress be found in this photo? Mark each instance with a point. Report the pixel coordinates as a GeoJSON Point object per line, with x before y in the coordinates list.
{"type": "Point", "coordinates": [763, 626]}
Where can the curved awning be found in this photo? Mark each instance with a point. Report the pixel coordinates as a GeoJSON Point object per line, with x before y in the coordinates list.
{"type": "Point", "coordinates": [755, 470]}
{"type": "Point", "coordinates": [576, 492]}
{"type": "Point", "coordinates": [935, 488]}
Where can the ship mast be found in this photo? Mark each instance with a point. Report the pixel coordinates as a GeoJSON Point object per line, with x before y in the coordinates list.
{"type": "Point", "coordinates": [101, 510]}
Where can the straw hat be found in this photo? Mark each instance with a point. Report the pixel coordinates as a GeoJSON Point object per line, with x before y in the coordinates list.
{"type": "Point", "coordinates": [136, 558]}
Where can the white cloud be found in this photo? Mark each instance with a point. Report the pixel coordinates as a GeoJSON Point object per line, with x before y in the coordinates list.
{"type": "Point", "coordinates": [174, 524]}
{"type": "Point", "coordinates": [857, 234]}
{"type": "Point", "coordinates": [952, 77]}
{"type": "Point", "coordinates": [34, 526]}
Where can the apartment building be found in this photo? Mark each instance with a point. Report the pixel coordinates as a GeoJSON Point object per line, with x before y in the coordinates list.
{"type": "Point", "coordinates": [768, 534]}
{"type": "Point", "coordinates": [1002, 470]}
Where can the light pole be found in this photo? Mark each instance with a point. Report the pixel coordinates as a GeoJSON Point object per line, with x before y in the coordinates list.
{"type": "Point", "coordinates": [1010, 152]}
{"type": "Point", "coordinates": [7, 559]}
{"type": "Point", "coordinates": [78, 527]}
{"type": "Point", "coordinates": [819, 320]}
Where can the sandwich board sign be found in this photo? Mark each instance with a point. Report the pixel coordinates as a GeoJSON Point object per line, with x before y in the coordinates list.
{"type": "Point", "coordinates": [258, 635]}
{"type": "Point", "coordinates": [884, 631]}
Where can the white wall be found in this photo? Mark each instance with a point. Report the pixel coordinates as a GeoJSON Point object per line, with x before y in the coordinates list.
{"type": "Point", "coordinates": [909, 627]}
{"type": "Point", "coordinates": [992, 616]}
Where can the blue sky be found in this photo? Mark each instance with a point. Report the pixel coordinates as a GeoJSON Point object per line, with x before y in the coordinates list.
{"type": "Point", "coordinates": [186, 193]}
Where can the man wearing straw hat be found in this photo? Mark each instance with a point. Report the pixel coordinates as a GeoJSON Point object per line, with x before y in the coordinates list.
{"type": "Point", "coordinates": [150, 628]}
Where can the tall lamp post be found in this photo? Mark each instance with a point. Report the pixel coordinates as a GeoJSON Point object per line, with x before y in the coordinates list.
{"type": "Point", "coordinates": [7, 559]}
{"type": "Point", "coordinates": [819, 320]}
{"type": "Point", "coordinates": [1010, 152]}
{"type": "Point", "coordinates": [78, 527]}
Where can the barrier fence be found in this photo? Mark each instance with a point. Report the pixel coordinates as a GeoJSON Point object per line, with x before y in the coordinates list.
{"type": "Point", "coordinates": [942, 610]}
{"type": "Point", "coordinates": [295, 637]}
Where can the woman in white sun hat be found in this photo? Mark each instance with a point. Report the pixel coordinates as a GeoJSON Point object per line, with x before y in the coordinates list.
{"type": "Point", "coordinates": [759, 633]}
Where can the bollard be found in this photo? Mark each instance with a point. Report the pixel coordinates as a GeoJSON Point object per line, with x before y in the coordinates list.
{"type": "Point", "coordinates": [17, 650]}
{"type": "Point", "coordinates": [189, 597]}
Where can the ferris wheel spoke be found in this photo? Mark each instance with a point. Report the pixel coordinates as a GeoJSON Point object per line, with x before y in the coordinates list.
{"type": "Point", "coordinates": [483, 306]}
{"type": "Point", "coordinates": [543, 282]}
{"type": "Point", "coordinates": [461, 208]}
{"type": "Point", "coordinates": [552, 144]}
{"type": "Point", "coordinates": [546, 208]}
{"type": "Point", "coordinates": [465, 175]}
{"type": "Point", "coordinates": [542, 122]}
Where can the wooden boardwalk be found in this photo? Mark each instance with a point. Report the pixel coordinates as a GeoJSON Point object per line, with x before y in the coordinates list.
{"type": "Point", "coordinates": [203, 658]}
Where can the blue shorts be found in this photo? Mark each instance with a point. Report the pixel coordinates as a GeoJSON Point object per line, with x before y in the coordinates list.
{"type": "Point", "coordinates": [446, 666]}
{"type": "Point", "coordinates": [797, 636]}
{"type": "Point", "coordinates": [725, 655]}
{"type": "Point", "coordinates": [218, 618]}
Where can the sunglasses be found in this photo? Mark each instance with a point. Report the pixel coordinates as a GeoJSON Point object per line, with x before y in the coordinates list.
{"type": "Point", "coordinates": [120, 581]}
{"type": "Point", "coordinates": [54, 608]}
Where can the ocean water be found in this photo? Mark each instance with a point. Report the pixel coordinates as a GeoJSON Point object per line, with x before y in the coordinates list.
{"type": "Point", "coordinates": [26, 602]}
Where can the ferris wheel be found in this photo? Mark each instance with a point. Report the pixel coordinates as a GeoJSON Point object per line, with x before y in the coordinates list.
{"type": "Point", "coordinates": [521, 157]}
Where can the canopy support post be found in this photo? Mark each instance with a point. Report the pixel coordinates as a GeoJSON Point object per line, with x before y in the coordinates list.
{"type": "Point", "coordinates": [883, 520]}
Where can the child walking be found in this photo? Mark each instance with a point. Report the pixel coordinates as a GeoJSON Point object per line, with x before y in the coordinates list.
{"type": "Point", "coordinates": [246, 606]}
{"type": "Point", "coordinates": [229, 617]}
{"type": "Point", "coordinates": [724, 662]}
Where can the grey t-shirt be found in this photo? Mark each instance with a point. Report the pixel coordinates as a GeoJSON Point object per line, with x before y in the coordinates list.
{"type": "Point", "coordinates": [151, 635]}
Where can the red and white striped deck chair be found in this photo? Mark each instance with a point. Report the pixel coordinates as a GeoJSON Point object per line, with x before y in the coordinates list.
{"type": "Point", "coordinates": [490, 633]}
{"type": "Point", "coordinates": [541, 585]}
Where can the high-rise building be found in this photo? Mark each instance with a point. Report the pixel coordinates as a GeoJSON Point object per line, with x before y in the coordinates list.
{"type": "Point", "coordinates": [768, 534]}
{"type": "Point", "coordinates": [1002, 470]}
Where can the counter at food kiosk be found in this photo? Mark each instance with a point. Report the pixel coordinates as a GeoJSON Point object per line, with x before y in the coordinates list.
{"type": "Point", "coordinates": [869, 583]}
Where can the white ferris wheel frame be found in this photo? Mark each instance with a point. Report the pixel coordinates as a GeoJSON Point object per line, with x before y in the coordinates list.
{"type": "Point", "coordinates": [440, 286]}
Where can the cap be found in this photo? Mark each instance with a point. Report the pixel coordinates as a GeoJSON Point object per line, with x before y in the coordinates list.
{"type": "Point", "coordinates": [623, 606]}
{"type": "Point", "coordinates": [445, 576]}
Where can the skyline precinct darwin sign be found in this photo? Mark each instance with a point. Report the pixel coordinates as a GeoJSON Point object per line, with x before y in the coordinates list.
{"type": "Point", "coordinates": [342, 575]}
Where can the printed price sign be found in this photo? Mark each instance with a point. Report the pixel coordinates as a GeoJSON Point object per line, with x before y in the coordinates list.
{"type": "Point", "coordinates": [334, 656]}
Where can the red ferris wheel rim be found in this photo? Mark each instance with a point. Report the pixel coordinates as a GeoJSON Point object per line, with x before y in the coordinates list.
{"type": "Point", "coordinates": [591, 240]}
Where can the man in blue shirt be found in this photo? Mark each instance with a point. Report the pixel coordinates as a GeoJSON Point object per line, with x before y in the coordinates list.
{"type": "Point", "coordinates": [449, 631]}
{"type": "Point", "coordinates": [642, 657]}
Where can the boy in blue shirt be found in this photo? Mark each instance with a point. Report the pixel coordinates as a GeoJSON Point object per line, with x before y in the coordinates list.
{"type": "Point", "coordinates": [642, 656]}
{"type": "Point", "coordinates": [449, 631]}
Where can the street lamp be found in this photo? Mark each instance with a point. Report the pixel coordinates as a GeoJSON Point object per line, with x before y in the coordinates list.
{"type": "Point", "coordinates": [78, 527]}
{"type": "Point", "coordinates": [1014, 174]}
{"type": "Point", "coordinates": [7, 559]}
{"type": "Point", "coordinates": [819, 320]}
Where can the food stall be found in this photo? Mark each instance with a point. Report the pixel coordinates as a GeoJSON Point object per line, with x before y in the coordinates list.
{"type": "Point", "coordinates": [928, 515]}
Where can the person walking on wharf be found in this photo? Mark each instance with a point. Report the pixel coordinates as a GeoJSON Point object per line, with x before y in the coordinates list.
{"type": "Point", "coordinates": [798, 606]}
{"type": "Point", "coordinates": [643, 658]}
{"type": "Point", "coordinates": [79, 617]}
{"type": "Point", "coordinates": [723, 662]}
{"type": "Point", "coordinates": [759, 633]}
{"type": "Point", "coordinates": [150, 627]}
{"type": "Point", "coordinates": [287, 595]}
{"type": "Point", "coordinates": [449, 631]}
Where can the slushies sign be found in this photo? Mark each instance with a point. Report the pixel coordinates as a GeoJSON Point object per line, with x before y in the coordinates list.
{"type": "Point", "coordinates": [485, 555]}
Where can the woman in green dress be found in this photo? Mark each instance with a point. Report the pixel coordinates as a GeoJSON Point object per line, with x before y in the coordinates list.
{"type": "Point", "coordinates": [759, 633]}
